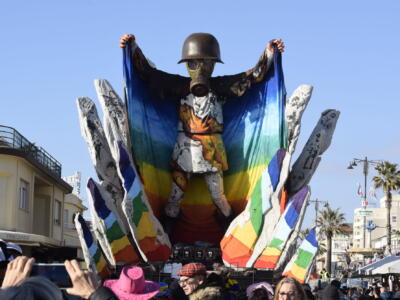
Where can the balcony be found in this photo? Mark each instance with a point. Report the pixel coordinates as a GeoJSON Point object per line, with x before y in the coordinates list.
{"type": "Point", "coordinates": [12, 139]}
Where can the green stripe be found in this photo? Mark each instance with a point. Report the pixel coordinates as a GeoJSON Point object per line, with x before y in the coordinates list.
{"type": "Point", "coordinates": [139, 207]}
{"type": "Point", "coordinates": [275, 243]}
{"type": "Point", "coordinates": [256, 208]}
{"type": "Point", "coordinates": [143, 146]}
{"type": "Point", "coordinates": [303, 259]}
{"type": "Point", "coordinates": [97, 256]}
{"type": "Point", "coordinates": [114, 233]}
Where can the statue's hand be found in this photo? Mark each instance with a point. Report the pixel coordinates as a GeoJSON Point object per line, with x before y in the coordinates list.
{"type": "Point", "coordinates": [127, 39]}
{"type": "Point", "coordinates": [279, 44]}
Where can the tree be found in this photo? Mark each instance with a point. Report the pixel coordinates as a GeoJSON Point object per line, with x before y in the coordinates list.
{"type": "Point", "coordinates": [330, 222]}
{"type": "Point", "coordinates": [388, 180]}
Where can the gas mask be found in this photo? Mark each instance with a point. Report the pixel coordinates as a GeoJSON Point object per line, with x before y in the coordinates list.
{"type": "Point", "coordinates": [200, 51]}
{"type": "Point", "coordinates": [200, 71]}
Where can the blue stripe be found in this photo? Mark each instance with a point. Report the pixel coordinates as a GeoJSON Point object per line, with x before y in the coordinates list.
{"type": "Point", "coordinates": [98, 201]}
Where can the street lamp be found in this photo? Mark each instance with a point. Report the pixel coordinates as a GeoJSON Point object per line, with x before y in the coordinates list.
{"type": "Point", "coordinates": [366, 164]}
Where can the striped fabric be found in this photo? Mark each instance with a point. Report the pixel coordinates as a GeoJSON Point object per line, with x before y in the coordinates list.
{"type": "Point", "coordinates": [93, 255]}
{"type": "Point", "coordinates": [121, 248]}
{"type": "Point", "coordinates": [270, 256]}
{"type": "Point", "coordinates": [151, 239]}
{"type": "Point", "coordinates": [264, 147]}
{"type": "Point", "coordinates": [300, 264]}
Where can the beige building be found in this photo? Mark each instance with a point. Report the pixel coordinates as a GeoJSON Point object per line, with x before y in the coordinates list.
{"type": "Point", "coordinates": [376, 239]}
{"type": "Point", "coordinates": [34, 209]}
{"type": "Point", "coordinates": [340, 244]}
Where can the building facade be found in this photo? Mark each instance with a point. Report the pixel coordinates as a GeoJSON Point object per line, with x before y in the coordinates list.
{"type": "Point", "coordinates": [340, 244]}
{"type": "Point", "coordinates": [33, 199]}
{"type": "Point", "coordinates": [375, 217]}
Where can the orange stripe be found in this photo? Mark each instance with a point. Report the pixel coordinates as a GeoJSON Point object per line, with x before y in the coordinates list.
{"type": "Point", "coordinates": [127, 255]}
{"type": "Point", "coordinates": [234, 252]}
{"type": "Point", "coordinates": [266, 262]}
{"type": "Point", "coordinates": [284, 199]}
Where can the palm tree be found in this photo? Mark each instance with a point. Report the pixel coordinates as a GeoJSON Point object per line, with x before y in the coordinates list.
{"type": "Point", "coordinates": [389, 180]}
{"type": "Point", "coordinates": [330, 222]}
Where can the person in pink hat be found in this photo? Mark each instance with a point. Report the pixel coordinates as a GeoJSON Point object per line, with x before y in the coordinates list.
{"type": "Point", "coordinates": [131, 285]}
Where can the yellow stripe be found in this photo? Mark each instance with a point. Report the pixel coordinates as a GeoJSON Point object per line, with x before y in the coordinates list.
{"type": "Point", "coordinates": [299, 273]}
{"type": "Point", "coordinates": [157, 181]}
{"type": "Point", "coordinates": [246, 234]}
{"type": "Point", "coordinates": [101, 264]}
{"type": "Point", "coordinates": [238, 186]}
{"type": "Point", "coordinates": [271, 251]}
{"type": "Point", "coordinates": [117, 245]}
{"type": "Point", "coordinates": [145, 227]}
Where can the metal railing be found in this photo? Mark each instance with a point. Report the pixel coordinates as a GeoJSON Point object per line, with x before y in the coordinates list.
{"type": "Point", "coordinates": [11, 138]}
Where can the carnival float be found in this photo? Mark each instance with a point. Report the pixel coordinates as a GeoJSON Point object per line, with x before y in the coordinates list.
{"type": "Point", "coordinates": [200, 167]}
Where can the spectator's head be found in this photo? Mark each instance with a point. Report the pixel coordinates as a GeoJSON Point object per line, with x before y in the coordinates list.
{"type": "Point", "coordinates": [33, 288]}
{"type": "Point", "coordinates": [176, 291]}
{"type": "Point", "coordinates": [269, 291]}
{"type": "Point", "coordinates": [331, 291]}
{"type": "Point", "coordinates": [191, 276]}
{"type": "Point", "coordinates": [289, 288]}
{"type": "Point", "coordinates": [131, 285]}
{"type": "Point", "coordinates": [336, 283]}
{"type": "Point", "coordinates": [260, 294]}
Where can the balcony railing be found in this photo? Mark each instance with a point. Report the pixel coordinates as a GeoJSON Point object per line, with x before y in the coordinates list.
{"type": "Point", "coordinates": [11, 138]}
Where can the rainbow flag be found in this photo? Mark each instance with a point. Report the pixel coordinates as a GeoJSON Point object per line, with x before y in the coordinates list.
{"type": "Point", "coordinates": [254, 136]}
{"type": "Point", "coordinates": [270, 256]}
{"type": "Point", "coordinates": [264, 144]}
{"type": "Point", "coordinates": [149, 234]}
{"type": "Point", "coordinates": [120, 245]}
{"type": "Point", "coordinates": [93, 255]}
{"type": "Point", "coordinates": [299, 265]}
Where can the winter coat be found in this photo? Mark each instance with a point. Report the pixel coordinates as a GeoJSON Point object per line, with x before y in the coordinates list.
{"type": "Point", "coordinates": [207, 293]}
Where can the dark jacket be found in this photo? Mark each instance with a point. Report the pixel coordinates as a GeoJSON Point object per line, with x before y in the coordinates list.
{"type": "Point", "coordinates": [103, 293]}
{"type": "Point", "coordinates": [330, 292]}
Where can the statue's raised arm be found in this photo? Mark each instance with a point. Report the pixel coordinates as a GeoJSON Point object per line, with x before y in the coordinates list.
{"type": "Point", "coordinates": [162, 85]}
{"type": "Point", "coordinates": [230, 86]}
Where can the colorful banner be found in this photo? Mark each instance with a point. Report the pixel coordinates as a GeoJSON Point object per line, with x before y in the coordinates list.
{"type": "Point", "coordinates": [270, 256]}
{"type": "Point", "coordinates": [93, 255]}
{"type": "Point", "coordinates": [122, 249]}
{"type": "Point", "coordinates": [300, 264]}
{"type": "Point", "coordinates": [254, 134]}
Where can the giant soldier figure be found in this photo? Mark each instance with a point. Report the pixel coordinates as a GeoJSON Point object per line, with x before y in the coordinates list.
{"type": "Point", "coordinates": [199, 148]}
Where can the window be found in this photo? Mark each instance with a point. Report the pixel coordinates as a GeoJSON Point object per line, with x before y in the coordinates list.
{"type": "Point", "coordinates": [23, 195]}
{"type": "Point", "coordinates": [394, 219]}
{"type": "Point", "coordinates": [66, 218]}
{"type": "Point", "coordinates": [57, 212]}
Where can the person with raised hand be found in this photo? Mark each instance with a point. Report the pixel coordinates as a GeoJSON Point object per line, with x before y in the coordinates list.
{"type": "Point", "coordinates": [85, 284]}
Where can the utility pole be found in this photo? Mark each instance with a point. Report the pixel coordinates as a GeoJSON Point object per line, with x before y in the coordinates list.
{"type": "Point", "coordinates": [316, 205]}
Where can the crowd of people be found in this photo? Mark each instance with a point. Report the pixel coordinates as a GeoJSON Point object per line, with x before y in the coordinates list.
{"type": "Point", "coordinates": [193, 282]}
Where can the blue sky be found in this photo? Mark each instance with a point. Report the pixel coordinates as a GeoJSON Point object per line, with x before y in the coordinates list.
{"type": "Point", "coordinates": [50, 52]}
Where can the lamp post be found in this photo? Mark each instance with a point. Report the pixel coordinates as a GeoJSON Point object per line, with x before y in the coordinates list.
{"type": "Point", "coordinates": [366, 162]}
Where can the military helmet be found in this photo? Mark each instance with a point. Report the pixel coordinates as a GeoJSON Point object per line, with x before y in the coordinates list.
{"type": "Point", "coordinates": [200, 46]}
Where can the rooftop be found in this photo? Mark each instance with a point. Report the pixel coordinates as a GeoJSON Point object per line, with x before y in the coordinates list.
{"type": "Point", "coordinates": [10, 138]}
